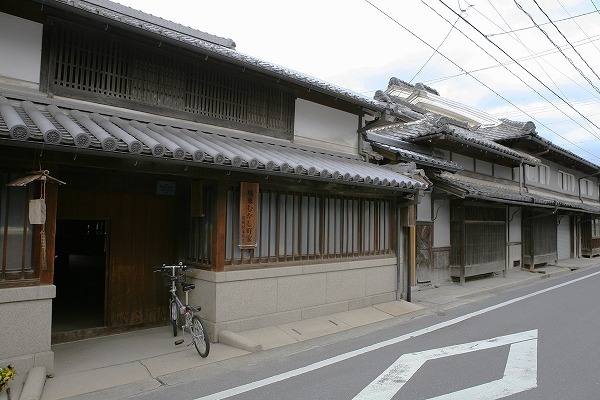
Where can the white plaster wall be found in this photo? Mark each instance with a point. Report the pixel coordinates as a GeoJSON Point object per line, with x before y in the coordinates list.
{"type": "Point", "coordinates": [319, 126]}
{"type": "Point", "coordinates": [514, 236]}
{"type": "Point", "coordinates": [20, 48]}
{"type": "Point", "coordinates": [463, 161]}
{"type": "Point", "coordinates": [25, 328]}
{"type": "Point", "coordinates": [500, 171]}
{"type": "Point", "coordinates": [483, 167]}
{"type": "Point", "coordinates": [564, 237]}
{"type": "Point", "coordinates": [424, 208]}
{"type": "Point", "coordinates": [252, 299]}
{"type": "Point", "coordinates": [441, 225]}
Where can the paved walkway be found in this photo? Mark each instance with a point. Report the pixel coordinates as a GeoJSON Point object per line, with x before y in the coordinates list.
{"type": "Point", "coordinates": [116, 366]}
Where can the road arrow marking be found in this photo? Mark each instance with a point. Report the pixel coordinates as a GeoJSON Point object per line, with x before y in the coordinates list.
{"type": "Point", "coordinates": [520, 373]}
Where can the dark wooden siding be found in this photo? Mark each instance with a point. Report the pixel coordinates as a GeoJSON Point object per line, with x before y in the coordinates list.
{"type": "Point", "coordinates": [539, 237]}
{"type": "Point", "coordinates": [107, 68]}
{"type": "Point", "coordinates": [143, 234]}
{"type": "Point", "coordinates": [478, 238]}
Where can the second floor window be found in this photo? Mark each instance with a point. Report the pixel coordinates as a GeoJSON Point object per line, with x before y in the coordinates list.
{"type": "Point", "coordinates": [587, 187]}
{"type": "Point", "coordinates": [538, 173]}
{"type": "Point", "coordinates": [125, 72]}
{"type": "Point", "coordinates": [566, 181]}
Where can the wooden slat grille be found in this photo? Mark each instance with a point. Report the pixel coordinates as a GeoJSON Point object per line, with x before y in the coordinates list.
{"type": "Point", "coordinates": [17, 254]}
{"type": "Point", "coordinates": [111, 66]}
{"type": "Point", "coordinates": [301, 226]}
{"type": "Point", "coordinates": [484, 235]}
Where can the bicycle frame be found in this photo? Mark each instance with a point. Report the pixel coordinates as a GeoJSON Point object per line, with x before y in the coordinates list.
{"type": "Point", "coordinates": [193, 323]}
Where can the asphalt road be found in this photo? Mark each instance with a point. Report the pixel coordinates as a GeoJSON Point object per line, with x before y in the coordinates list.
{"type": "Point", "coordinates": [536, 342]}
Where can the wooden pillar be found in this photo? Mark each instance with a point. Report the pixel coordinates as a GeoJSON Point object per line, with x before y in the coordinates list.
{"type": "Point", "coordinates": [463, 245]}
{"type": "Point", "coordinates": [219, 228]}
{"type": "Point", "coordinates": [47, 267]}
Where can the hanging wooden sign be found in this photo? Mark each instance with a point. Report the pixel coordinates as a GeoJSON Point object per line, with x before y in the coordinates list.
{"type": "Point", "coordinates": [248, 215]}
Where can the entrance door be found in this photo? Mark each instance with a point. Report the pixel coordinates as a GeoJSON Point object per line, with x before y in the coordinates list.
{"type": "Point", "coordinates": [79, 275]}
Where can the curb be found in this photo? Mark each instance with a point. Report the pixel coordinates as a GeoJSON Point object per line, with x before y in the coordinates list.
{"type": "Point", "coordinates": [34, 384]}
{"type": "Point", "coordinates": [233, 339]}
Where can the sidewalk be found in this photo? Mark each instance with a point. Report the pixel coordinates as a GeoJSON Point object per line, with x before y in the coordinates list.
{"type": "Point", "coordinates": [114, 367]}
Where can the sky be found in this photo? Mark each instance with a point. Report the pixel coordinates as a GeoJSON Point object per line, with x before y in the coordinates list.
{"type": "Point", "coordinates": [525, 60]}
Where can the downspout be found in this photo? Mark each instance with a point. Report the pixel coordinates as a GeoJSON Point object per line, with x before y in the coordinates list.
{"type": "Point", "coordinates": [411, 256]}
{"type": "Point", "coordinates": [521, 179]}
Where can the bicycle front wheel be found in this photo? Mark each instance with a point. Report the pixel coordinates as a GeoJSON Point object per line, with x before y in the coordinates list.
{"type": "Point", "coordinates": [200, 336]}
{"type": "Point", "coordinates": [174, 316]}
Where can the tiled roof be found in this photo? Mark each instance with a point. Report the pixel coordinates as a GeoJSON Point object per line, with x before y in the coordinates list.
{"type": "Point", "coordinates": [434, 124]}
{"type": "Point", "coordinates": [508, 130]}
{"type": "Point", "coordinates": [509, 191]}
{"type": "Point", "coordinates": [70, 129]}
{"type": "Point", "coordinates": [418, 158]}
{"type": "Point", "coordinates": [206, 45]}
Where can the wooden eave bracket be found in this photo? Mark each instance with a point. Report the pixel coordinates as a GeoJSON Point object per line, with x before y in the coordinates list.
{"type": "Point", "coordinates": [35, 176]}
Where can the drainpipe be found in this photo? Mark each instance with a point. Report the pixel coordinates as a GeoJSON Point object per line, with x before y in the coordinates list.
{"type": "Point", "coordinates": [412, 248]}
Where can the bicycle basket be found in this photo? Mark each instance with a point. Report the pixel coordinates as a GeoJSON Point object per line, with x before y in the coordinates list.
{"type": "Point", "coordinates": [167, 279]}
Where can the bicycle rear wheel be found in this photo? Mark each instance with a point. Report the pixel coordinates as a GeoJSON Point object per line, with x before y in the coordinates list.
{"type": "Point", "coordinates": [200, 336]}
{"type": "Point", "coordinates": [174, 316]}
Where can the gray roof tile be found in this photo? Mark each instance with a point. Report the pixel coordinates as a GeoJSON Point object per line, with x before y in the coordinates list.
{"type": "Point", "coordinates": [509, 191]}
{"type": "Point", "coordinates": [66, 129]}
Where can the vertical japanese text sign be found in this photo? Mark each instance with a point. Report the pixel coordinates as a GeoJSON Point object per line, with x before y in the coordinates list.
{"type": "Point", "coordinates": [248, 215]}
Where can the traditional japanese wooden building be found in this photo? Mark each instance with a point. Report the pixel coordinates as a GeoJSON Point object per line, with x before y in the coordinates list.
{"type": "Point", "coordinates": [154, 143]}
{"type": "Point", "coordinates": [503, 196]}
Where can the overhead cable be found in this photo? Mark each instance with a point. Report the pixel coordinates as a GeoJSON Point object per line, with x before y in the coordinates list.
{"type": "Point", "coordinates": [558, 47]}
{"type": "Point", "coordinates": [473, 76]}
{"type": "Point", "coordinates": [527, 71]}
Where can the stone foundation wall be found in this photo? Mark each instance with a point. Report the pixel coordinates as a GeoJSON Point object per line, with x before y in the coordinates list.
{"type": "Point", "coordinates": [257, 298]}
{"type": "Point", "coordinates": [25, 327]}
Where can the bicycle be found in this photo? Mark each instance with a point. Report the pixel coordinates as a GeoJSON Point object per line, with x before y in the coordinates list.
{"type": "Point", "coordinates": [173, 274]}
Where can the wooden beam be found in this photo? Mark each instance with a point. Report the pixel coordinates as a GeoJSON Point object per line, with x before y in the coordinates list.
{"type": "Point", "coordinates": [219, 228]}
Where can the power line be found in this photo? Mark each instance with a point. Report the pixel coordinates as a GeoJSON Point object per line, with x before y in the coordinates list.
{"type": "Point", "coordinates": [545, 23]}
{"type": "Point", "coordinates": [437, 49]}
{"type": "Point", "coordinates": [525, 69]}
{"type": "Point", "coordinates": [471, 75]}
{"type": "Point", "coordinates": [558, 47]}
{"type": "Point", "coordinates": [516, 37]}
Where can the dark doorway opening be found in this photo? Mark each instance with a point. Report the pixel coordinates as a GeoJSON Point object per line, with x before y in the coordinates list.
{"type": "Point", "coordinates": [79, 276]}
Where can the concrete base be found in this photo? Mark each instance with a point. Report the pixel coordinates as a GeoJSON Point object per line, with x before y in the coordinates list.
{"type": "Point", "coordinates": [247, 300]}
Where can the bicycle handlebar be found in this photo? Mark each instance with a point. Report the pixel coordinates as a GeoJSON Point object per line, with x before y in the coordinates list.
{"type": "Point", "coordinates": [178, 266]}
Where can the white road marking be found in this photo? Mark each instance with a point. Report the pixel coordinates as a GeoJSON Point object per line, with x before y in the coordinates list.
{"type": "Point", "coordinates": [342, 357]}
{"type": "Point", "coordinates": [520, 373]}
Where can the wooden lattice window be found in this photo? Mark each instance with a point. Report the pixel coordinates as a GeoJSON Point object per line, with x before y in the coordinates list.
{"type": "Point", "coordinates": [17, 251]}
{"type": "Point", "coordinates": [88, 64]}
{"type": "Point", "coordinates": [478, 234]}
{"type": "Point", "coordinates": [299, 226]}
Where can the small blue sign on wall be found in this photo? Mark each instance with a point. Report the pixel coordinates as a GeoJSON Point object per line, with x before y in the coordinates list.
{"type": "Point", "coordinates": [166, 188]}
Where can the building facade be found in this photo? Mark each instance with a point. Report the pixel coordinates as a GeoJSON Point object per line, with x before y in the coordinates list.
{"type": "Point", "coordinates": [128, 141]}
{"type": "Point", "coordinates": [503, 196]}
